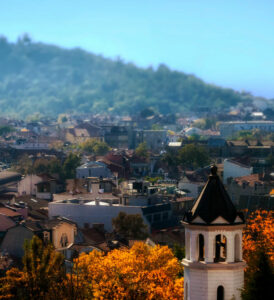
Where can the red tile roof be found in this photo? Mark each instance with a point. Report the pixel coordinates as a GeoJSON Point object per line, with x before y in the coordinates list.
{"type": "Point", "coordinates": [9, 212]}
{"type": "Point", "coordinates": [5, 223]}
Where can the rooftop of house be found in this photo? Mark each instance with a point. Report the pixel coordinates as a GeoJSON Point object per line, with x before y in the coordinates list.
{"type": "Point", "coordinates": [241, 161]}
{"type": "Point", "coordinates": [198, 176]}
{"type": "Point", "coordinates": [8, 175]}
{"type": "Point", "coordinates": [37, 226]}
{"type": "Point", "coordinates": [5, 223]}
{"type": "Point", "coordinates": [253, 179]}
{"type": "Point", "coordinates": [92, 164]}
{"type": "Point", "coordinates": [9, 212]}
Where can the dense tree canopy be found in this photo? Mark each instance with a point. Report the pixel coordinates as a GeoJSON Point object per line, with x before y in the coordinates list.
{"type": "Point", "coordinates": [258, 251]}
{"type": "Point", "coordinates": [131, 226]}
{"type": "Point", "coordinates": [143, 272]}
{"type": "Point", "coordinates": [193, 155]}
{"type": "Point", "coordinates": [94, 146]}
{"type": "Point", "coordinates": [43, 275]}
{"type": "Point", "coordinates": [36, 77]}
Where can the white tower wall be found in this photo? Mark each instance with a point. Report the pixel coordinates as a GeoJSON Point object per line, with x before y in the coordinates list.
{"type": "Point", "coordinates": [203, 277]}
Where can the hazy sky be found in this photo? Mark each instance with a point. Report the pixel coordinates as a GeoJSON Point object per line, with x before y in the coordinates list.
{"type": "Point", "coordinates": [229, 43]}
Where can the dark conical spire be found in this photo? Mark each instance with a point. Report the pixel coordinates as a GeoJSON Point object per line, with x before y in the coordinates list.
{"type": "Point", "coordinates": [213, 202]}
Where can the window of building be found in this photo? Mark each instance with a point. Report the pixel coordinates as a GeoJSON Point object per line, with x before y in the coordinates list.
{"type": "Point", "coordinates": [220, 292]}
{"type": "Point", "coordinates": [64, 240]}
{"type": "Point", "coordinates": [201, 248]}
{"type": "Point", "coordinates": [46, 236]}
{"type": "Point", "coordinates": [237, 247]}
{"type": "Point", "coordinates": [220, 248]}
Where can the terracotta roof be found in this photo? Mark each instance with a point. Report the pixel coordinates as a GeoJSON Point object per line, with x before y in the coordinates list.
{"type": "Point", "coordinates": [184, 199]}
{"type": "Point", "coordinates": [5, 223]}
{"type": "Point", "coordinates": [9, 212]}
{"type": "Point", "coordinates": [253, 179]}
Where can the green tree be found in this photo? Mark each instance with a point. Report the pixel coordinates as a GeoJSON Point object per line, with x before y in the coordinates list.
{"type": "Point", "coordinates": [131, 226]}
{"type": "Point", "coordinates": [193, 156]}
{"type": "Point", "coordinates": [24, 165]}
{"type": "Point", "coordinates": [94, 146]}
{"type": "Point", "coordinates": [259, 284]}
{"type": "Point", "coordinates": [179, 251]}
{"type": "Point", "coordinates": [71, 163]}
{"type": "Point", "coordinates": [4, 129]}
{"type": "Point", "coordinates": [142, 150]}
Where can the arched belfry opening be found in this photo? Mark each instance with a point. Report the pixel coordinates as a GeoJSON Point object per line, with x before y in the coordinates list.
{"type": "Point", "coordinates": [201, 248]}
{"type": "Point", "coordinates": [220, 248]}
{"type": "Point", "coordinates": [237, 248]}
{"type": "Point", "coordinates": [220, 293]}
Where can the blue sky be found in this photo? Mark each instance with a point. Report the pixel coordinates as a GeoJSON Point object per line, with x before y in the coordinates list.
{"type": "Point", "coordinates": [228, 43]}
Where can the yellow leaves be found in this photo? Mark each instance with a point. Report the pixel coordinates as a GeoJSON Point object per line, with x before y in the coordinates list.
{"type": "Point", "coordinates": [142, 272]}
{"type": "Point", "coordinates": [259, 233]}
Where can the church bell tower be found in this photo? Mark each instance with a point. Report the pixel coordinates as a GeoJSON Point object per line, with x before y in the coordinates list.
{"type": "Point", "coordinates": [213, 266]}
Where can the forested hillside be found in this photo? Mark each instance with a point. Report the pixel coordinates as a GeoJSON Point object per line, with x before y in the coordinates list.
{"type": "Point", "coordinates": [36, 77]}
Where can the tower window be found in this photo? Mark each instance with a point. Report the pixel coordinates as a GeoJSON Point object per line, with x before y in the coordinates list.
{"type": "Point", "coordinates": [220, 292]}
{"type": "Point", "coordinates": [220, 248]}
{"type": "Point", "coordinates": [201, 247]}
{"type": "Point", "coordinates": [237, 247]}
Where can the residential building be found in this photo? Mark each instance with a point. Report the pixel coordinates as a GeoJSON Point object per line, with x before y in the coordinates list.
{"type": "Point", "coordinates": [228, 129]}
{"type": "Point", "coordinates": [93, 169]}
{"type": "Point", "coordinates": [41, 186]}
{"type": "Point", "coordinates": [60, 232]}
{"type": "Point", "coordinates": [236, 168]}
{"type": "Point", "coordinates": [249, 186]}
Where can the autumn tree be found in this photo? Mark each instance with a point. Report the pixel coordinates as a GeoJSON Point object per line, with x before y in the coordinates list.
{"type": "Point", "coordinates": [258, 285]}
{"type": "Point", "coordinates": [142, 272]}
{"type": "Point", "coordinates": [130, 226]}
{"type": "Point", "coordinates": [43, 275]}
{"type": "Point", "coordinates": [142, 150]}
{"type": "Point", "coordinates": [258, 252]}
{"type": "Point", "coordinates": [259, 234]}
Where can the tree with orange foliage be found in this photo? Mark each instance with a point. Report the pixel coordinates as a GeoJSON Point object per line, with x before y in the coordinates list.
{"type": "Point", "coordinates": [258, 251]}
{"type": "Point", "coordinates": [259, 234]}
{"type": "Point", "coordinates": [142, 272]}
{"type": "Point", "coordinates": [43, 275]}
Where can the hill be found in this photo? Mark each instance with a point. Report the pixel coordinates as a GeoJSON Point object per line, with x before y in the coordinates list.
{"type": "Point", "coordinates": [35, 77]}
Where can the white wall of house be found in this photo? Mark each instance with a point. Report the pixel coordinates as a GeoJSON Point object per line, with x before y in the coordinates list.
{"type": "Point", "coordinates": [27, 185]}
{"type": "Point", "coordinates": [194, 188]}
{"type": "Point", "coordinates": [233, 170]}
{"type": "Point", "coordinates": [89, 214]}
{"type": "Point", "coordinates": [97, 169]}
